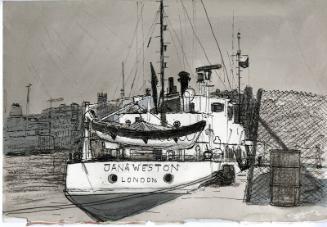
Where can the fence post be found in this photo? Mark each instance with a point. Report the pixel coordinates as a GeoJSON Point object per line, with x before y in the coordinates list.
{"type": "Point", "coordinates": [254, 136]}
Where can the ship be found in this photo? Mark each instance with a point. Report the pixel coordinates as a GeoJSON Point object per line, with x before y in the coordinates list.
{"type": "Point", "coordinates": [155, 149]}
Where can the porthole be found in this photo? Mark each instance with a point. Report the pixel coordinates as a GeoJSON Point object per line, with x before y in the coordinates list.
{"type": "Point", "coordinates": [177, 124]}
{"type": "Point", "coordinates": [168, 178]}
{"type": "Point", "coordinates": [112, 178]}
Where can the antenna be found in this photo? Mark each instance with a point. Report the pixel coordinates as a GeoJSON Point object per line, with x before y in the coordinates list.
{"type": "Point", "coordinates": [136, 39]}
{"type": "Point", "coordinates": [239, 74]}
{"type": "Point", "coordinates": [143, 60]}
{"type": "Point", "coordinates": [122, 90]}
{"type": "Point", "coordinates": [233, 32]}
{"type": "Point", "coordinates": [162, 64]}
{"type": "Point", "coordinates": [28, 98]}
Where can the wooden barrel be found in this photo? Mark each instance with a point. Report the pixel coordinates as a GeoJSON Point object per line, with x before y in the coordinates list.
{"type": "Point", "coordinates": [285, 177]}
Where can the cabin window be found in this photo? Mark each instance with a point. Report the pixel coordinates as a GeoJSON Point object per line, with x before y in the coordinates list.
{"type": "Point", "coordinates": [217, 107]}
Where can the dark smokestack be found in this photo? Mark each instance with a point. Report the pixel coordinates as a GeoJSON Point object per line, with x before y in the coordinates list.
{"type": "Point", "coordinates": [184, 79]}
{"type": "Point", "coordinates": [200, 78]}
{"type": "Point", "coordinates": [171, 85]}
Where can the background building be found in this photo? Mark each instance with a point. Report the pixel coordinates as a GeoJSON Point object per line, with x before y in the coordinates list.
{"type": "Point", "coordinates": [54, 128]}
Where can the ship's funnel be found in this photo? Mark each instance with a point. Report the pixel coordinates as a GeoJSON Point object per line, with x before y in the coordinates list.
{"type": "Point", "coordinates": [184, 79]}
{"type": "Point", "coordinates": [172, 88]}
{"type": "Point", "coordinates": [200, 78]}
{"type": "Point", "coordinates": [171, 84]}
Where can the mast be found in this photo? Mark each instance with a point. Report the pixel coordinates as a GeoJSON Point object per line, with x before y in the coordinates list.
{"type": "Point", "coordinates": [239, 74]}
{"type": "Point", "coordinates": [233, 36]}
{"type": "Point", "coordinates": [122, 90]}
{"type": "Point", "coordinates": [162, 64]}
{"type": "Point", "coordinates": [28, 98]}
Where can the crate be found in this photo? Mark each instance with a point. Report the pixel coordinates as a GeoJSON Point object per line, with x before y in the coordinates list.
{"type": "Point", "coordinates": [285, 173]}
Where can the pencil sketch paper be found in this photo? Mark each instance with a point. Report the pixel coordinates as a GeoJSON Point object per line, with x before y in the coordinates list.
{"type": "Point", "coordinates": [120, 111]}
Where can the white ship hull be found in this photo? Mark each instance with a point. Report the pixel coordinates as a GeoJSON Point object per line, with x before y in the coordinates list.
{"type": "Point", "coordinates": [135, 176]}
{"type": "Point", "coordinates": [113, 190]}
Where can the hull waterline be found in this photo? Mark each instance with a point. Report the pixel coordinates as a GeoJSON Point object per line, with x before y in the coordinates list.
{"type": "Point", "coordinates": [115, 206]}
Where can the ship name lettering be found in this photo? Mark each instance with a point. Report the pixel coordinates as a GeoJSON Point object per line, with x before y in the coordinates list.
{"type": "Point", "coordinates": [144, 167]}
{"type": "Point", "coordinates": [157, 165]}
{"type": "Point", "coordinates": [174, 167]}
{"type": "Point", "coordinates": [136, 167]}
{"type": "Point", "coordinates": [127, 167]}
{"type": "Point", "coordinates": [106, 167]}
{"type": "Point", "coordinates": [139, 180]}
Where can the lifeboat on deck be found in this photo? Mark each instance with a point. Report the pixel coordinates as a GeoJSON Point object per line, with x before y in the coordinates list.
{"type": "Point", "coordinates": [146, 135]}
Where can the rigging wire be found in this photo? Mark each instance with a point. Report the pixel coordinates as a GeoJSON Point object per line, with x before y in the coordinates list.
{"type": "Point", "coordinates": [193, 48]}
{"type": "Point", "coordinates": [179, 42]}
{"type": "Point", "coordinates": [182, 46]}
{"type": "Point", "coordinates": [133, 38]}
{"type": "Point", "coordinates": [132, 85]}
{"type": "Point", "coordinates": [136, 48]}
{"type": "Point", "coordinates": [199, 41]}
{"type": "Point", "coordinates": [233, 62]}
{"type": "Point", "coordinates": [136, 68]}
{"type": "Point", "coordinates": [233, 33]}
{"type": "Point", "coordinates": [173, 41]}
{"type": "Point", "coordinates": [36, 73]}
{"type": "Point", "coordinates": [232, 72]}
{"type": "Point", "coordinates": [152, 27]}
{"type": "Point", "coordinates": [115, 91]}
{"type": "Point", "coordinates": [216, 41]}
{"type": "Point", "coordinates": [149, 35]}
{"type": "Point", "coordinates": [136, 44]}
{"type": "Point", "coordinates": [143, 61]}
{"type": "Point", "coordinates": [105, 25]}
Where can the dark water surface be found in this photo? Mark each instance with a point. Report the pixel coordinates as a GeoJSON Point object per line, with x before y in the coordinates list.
{"type": "Point", "coordinates": [35, 172]}
{"type": "Point", "coordinates": [33, 189]}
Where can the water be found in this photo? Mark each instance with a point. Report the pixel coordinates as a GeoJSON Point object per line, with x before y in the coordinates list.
{"type": "Point", "coordinates": [35, 172]}
{"type": "Point", "coordinates": [33, 189]}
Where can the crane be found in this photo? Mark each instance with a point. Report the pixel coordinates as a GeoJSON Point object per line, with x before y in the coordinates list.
{"type": "Point", "coordinates": [28, 97]}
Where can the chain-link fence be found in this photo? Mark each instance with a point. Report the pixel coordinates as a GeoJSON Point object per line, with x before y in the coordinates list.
{"type": "Point", "coordinates": [291, 120]}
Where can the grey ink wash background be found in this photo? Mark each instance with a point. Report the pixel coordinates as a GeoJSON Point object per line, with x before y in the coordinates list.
{"type": "Point", "coordinates": [74, 49]}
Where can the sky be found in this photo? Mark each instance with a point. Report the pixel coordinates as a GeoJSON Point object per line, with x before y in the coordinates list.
{"type": "Point", "coordinates": [75, 49]}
